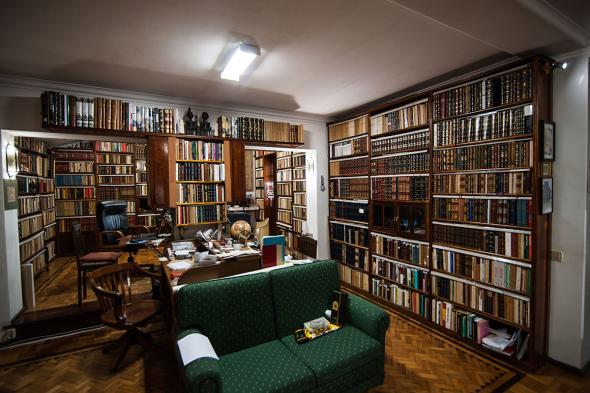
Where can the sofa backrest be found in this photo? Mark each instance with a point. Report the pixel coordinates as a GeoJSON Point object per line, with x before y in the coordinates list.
{"type": "Point", "coordinates": [234, 313]}
{"type": "Point", "coordinates": [302, 293]}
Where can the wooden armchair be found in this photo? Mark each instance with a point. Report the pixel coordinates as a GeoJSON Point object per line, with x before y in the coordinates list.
{"type": "Point", "coordinates": [112, 286]}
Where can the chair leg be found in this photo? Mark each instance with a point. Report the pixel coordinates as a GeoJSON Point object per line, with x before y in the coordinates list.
{"type": "Point", "coordinates": [84, 284]}
{"type": "Point", "coordinates": [126, 346]}
{"type": "Point", "coordinates": [79, 287]}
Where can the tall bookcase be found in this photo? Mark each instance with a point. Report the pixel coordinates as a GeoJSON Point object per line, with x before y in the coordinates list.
{"type": "Point", "coordinates": [200, 182]}
{"type": "Point", "coordinates": [452, 226]}
{"type": "Point", "coordinates": [36, 206]}
{"type": "Point", "coordinates": [284, 184]}
{"type": "Point", "coordinates": [259, 183]}
{"type": "Point", "coordinates": [299, 197]}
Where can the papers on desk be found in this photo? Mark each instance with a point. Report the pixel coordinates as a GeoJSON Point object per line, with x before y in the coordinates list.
{"type": "Point", "coordinates": [237, 253]}
{"type": "Point", "coordinates": [179, 265]}
{"type": "Point", "coordinates": [178, 246]}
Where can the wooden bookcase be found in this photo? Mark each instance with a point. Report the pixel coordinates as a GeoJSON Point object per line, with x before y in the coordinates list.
{"type": "Point", "coordinates": [299, 197]}
{"type": "Point", "coordinates": [259, 183]}
{"type": "Point", "coordinates": [449, 231]}
{"type": "Point", "coordinates": [36, 205]}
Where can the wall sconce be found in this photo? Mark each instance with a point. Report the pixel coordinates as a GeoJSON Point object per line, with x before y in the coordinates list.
{"type": "Point", "coordinates": [11, 160]}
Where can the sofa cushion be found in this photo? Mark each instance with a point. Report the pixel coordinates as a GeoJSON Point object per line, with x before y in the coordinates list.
{"type": "Point", "coordinates": [302, 293]}
{"type": "Point", "coordinates": [268, 367]}
{"type": "Point", "coordinates": [337, 353]}
{"type": "Point", "coordinates": [234, 313]}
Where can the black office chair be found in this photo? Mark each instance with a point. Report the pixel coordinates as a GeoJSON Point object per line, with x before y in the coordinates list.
{"type": "Point", "coordinates": [113, 224]}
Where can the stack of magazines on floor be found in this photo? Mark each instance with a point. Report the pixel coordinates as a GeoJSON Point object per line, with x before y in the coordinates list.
{"type": "Point", "coordinates": [506, 342]}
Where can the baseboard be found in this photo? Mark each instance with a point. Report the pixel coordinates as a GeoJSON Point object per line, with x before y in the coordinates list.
{"type": "Point", "coordinates": [572, 369]}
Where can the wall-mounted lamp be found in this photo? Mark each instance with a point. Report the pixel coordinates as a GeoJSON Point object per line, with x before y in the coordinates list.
{"type": "Point", "coordinates": [11, 160]}
{"type": "Point", "coordinates": [557, 64]}
{"type": "Point", "coordinates": [239, 60]}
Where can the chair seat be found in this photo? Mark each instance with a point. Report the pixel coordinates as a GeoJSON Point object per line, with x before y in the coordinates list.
{"type": "Point", "coordinates": [138, 312]}
{"type": "Point", "coordinates": [104, 256]}
{"type": "Point", "coordinates": [336, 354]}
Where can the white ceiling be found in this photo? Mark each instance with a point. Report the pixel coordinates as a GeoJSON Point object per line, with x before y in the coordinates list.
{"type": "Point", "coordinates": [318, 56]}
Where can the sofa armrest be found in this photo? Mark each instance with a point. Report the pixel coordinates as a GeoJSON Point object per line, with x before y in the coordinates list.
{"type": "Point", "coordinates": [201, 375]}
{"type": "Point", "coordinates": [368, 317]}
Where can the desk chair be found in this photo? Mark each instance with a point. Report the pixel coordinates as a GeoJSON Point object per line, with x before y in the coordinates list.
{"type": "Point", "coordinates": [113, 224]}
{"type": "Point", "coordinates": [87, 262]}
{"type": "Point", "coordinates": [112, 286]}
{"type": "Point", "coordinates": [273, 250]}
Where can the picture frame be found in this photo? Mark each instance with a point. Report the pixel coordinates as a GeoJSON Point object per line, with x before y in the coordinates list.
{"type": "Point", "coordinates": [546, 169]}
{"type": "Point", "coordinates": [548, 140]}
{"type": "Point", "coordinates": [546, 195]}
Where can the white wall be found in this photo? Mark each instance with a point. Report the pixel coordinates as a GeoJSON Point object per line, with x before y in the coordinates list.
{"type": "Point", "coordinates": [569, 325]}
{"type": "Point", "coordinates": [20, 110]}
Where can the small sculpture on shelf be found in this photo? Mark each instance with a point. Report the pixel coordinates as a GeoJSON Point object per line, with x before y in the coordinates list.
{"type": "Point", "coordinates": [205, 126]}
{"type": "Point", "coordinates": [191, 125]}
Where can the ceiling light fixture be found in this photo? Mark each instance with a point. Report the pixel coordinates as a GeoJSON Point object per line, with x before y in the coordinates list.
{"type": "Point", "coordinates": [240, 59]}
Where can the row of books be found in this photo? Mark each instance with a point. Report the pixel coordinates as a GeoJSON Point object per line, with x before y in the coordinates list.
{"type": "Point", "coordinates": [39, 262]}
{"type": "Point", "coordinates": [400, 274]}
{"type": "Point", "coordinates": [50, 232]}
{"type": "Point", "coordinates": [349, 147]}
{"type": "Point", "coordinates": [32, 144]}
{"type": "Point", "coordinates": [34, 164]}
{"type": "Point", "coordinates": [299, 160]}
{"type": "Point", "coordinates": [350, 255]}
{"type": "Point", "coordinates": [492, 183]}
{"type": "Point", "coordinates": [76, 208]}
{"type": "Point", "coordinates": [121, 180]}
{"type": "Point", "coordinates": [141, 150]}
{"type": "Point", "coordinates": [199, 150]}
{"type": "Point", "coordinates": [400, 119]}
{"type": "Point", "coordinates": [74, 167]}
{"type": "Point", "coordinates": [50, 250]}
{"type": "Point", "coordinates": [350, 188]}
{"type": "Point", "coordinates": [29, 205]}
{"type": "Point", "coordinates": [516, 154]}
{"type": "Point", "coordinates": [284, 189]}
{"type": "Point", "coordinates": [400, 249]}
{"type": "Point", "coordinates": [114, 159]}
{"type": "Point", "coordinates": [300, 212]}
{"type": "Point", "coordinates": [349, 211]}
{"type": "Point", "coordinates": [408, 141]}
{"type": "Point", "coordinates": [350, 234]}
{"type": "Point", "coordinates": [494, 303]}
{"type": "Point", "coordinates": [192, 193]}
{"type": "Point", "coordinates": [354, 277]}
{"type": "Point", "coordinates": [298, 173]}
{"type": "Point", "coordinates": [300, 199]}
{"type": "Point", "coordinates": [509, 244]}
{"type": "Point", "coordinates": [28, 185]}
{"type": "Point", "coordinates": [464, 324]}
{"type": "Point", "coordinates": [299, 186]}
{"type": "Point", "coordinates": [29, 226]}
{"type": "Point", "coordinates": [141, 177]}
{"type": "Point", "coordinates": [259, 193]}
{"type": "Point", "coordinates": [64, 224]}
{"type": "Point", "coordinates": [352, 167]}
{"type": "Point", "coordinates": [298, 226]}
{"type": "Point", "coordinates": [115, 170]}
{"type": "Point", "coordinates": [148, 220]}
{"type": "Point", "coordinates": [72, 155]}
{"type": "Point", "coordinates": [198, 171]}
{"type": "Point", "coordinates": [284, 175]}
{"type": "Point", "coordinates": [485, 270]}
{"type": "Point", "coordinates": [47, 201]}
{"type": "Point", "coordinates": [409, 299]}
{"type": "Point", "coordinates": [285, 216]}
{"type": "Point", "coordinates": [285, 203]}
{"type": "Point", "coordinates": [288, 235]}
{"type": "Point", "coordinates": [500, 124]}
{"type": "Point", "coordinates": [408, 163]}
{"type": "Point", "coordinates": [107, 193]}
{"type": "Point", "coordinates": [348, 128]}
{"type": "Point", "coordinates": [515, 212]}
{"type": "Point", "coordinates": [115, 147]}
{"type": "Point", "coordinates": [141, 190]}
{"type": "Point", "coordinates": [31, 246]}
{"type": "Point", "coordinates": [195, 214]}
{"type": "Point", "coordinates": [257, 129]}
{"type": "Point", "coordinates": [63, 180]}
{"type": "Point", "coordinates": [401, 188]}
{"type": "Point", "coordinates": [61, 109]}
{"type": "Point", "coordinates": [284, 162]}
{"type": "Point", "coordinates": [511, 87]}
{"type": "Point", "coordinates": [48, 216]}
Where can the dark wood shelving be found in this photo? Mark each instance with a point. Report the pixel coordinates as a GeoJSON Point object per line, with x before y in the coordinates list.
{"type": "Point", "coordinates": [402, 131]}
{"type": "Point", "coordinates": [349, 244]}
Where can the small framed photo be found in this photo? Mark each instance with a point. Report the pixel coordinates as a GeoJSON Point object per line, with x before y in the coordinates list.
{"type": "Point", "coordinates": [546, 169]}
{"type": "Point", "coordinates": [546, 195]}
{"type": "Point", "coordinates": [548, 128]}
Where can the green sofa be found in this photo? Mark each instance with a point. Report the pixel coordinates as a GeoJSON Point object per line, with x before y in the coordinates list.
{"type": "Point", "coordinates": [250, 322]}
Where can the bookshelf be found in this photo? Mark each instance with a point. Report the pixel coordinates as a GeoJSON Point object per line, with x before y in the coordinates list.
{"type": "Point", "coordinates": [200, 182]}
{"type": "Point", "coordinates": [259, 183]}
{"type": "Point", "coordinates": [299, 197]}
{"type": "Point", "coordinates": [284, 184]}
{"type": "Point", "coordinates": [36, 205]}
{"type": "Point", "coordinates": [449, 231]}
{"type": "Point", "coordinates": [75, 192]}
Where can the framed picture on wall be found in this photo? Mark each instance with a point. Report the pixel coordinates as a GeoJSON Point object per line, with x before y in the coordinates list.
{"type": "Point", "coordinates": [548, 128]}
{"type": "Point", "coordinates": [546, 195]}
{"type": "Point", "coordinates": [546, 169]}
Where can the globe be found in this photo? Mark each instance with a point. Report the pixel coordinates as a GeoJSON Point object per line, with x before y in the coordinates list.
{"type": "Point", "coordinates": [240, 227]}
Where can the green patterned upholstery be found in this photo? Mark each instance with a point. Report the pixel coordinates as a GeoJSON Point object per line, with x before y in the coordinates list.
{"type": "Point", "coordinates": [268, 367]}
{"type": "Point", "coordinates": [234, 313]}
{"type": "Point", "coordinates": [244, 317]}
{"type": "Point", "coordinates": [336, 354]}
{"type": "Point", "coordinates": [368, 317]}
{"type": "Point", "coordinates": [302, 293]}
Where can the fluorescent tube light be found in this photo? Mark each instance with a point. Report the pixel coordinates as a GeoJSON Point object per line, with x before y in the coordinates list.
{"type": "Point", "coordinates": [242, 57]}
